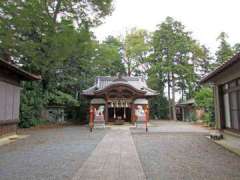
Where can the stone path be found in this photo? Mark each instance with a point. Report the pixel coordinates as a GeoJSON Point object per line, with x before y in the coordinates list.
{"type": "Point", "coordinates": [170, 150]}
{"type": "Point", "coordinates": [169, 154]}
{"type": "Point", "coordinates": [48, 154]}
{"type": "Point", "coordinates": [115, 157]}
{"type": "Point", "coordinates": [176, 127]}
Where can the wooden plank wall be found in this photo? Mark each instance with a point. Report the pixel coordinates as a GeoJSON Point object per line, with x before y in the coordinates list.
{"type": "Point", "coordinates": [9, 102]}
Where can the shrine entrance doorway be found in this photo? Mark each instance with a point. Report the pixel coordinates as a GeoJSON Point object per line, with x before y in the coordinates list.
{"type": "Point", "coordinates": [119, 110]}
{"type": "Point", "coordinates": [119, 114]}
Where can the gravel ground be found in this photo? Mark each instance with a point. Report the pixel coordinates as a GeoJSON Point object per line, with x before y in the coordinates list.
{"type": "Point", "coordinates": [171, 150]}
{"type": "Point", "coordinates": [48, 153]}
{"type": "Point", "coordinates": [188, 156]}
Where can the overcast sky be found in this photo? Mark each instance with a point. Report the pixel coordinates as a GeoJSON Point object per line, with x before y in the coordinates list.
{"type": "Point", "coordinates": [205, 18]}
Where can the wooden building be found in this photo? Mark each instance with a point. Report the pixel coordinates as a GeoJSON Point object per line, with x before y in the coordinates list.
{"type": "Point", "coordinates": [226, 82]}
{"type": "Point", "coordinates": [10, 78]}
{"type": "Point", "coordinates": [54, 113]}
{"type": "Point", "coordinates": [189, 111]}
{"type": "Point", "coordinates": [119, 99]}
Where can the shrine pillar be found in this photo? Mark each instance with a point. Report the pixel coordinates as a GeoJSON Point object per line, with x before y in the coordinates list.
{"type": "Point", "coordinates": [141, 112]}
{"type": "Point", "coordinates": [91, 117]}
{"type": "Point", "coordinates": [97, 112]}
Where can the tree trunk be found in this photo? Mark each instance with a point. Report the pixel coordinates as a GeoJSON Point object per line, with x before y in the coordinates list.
{"type": "Point", "coordinates": [129, 71]}
{"type": "Point", "coordinates": [173, 98]}
{"type": "Point", "coordinates": [57, 10]}
{"type": "Point", "coordinates": [169, 99]}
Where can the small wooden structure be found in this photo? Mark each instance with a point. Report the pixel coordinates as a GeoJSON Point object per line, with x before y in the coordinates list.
{"type": "Point", "coordinates": [118, 99]}
{"type": "Point", "coordinates": [55, 114]}
{"type": "Point", "coordinates": [188, 111]}
{"type": "Point", "coordinates": [10, 78]}
{"type": "Point", "coordinates": [226, 83]}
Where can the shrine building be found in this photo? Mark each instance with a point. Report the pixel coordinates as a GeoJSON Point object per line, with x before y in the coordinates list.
{"type": "Point", "coordinates": [119, 99]}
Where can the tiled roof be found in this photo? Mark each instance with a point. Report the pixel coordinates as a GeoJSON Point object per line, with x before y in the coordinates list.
{"type": "Point", "coordinates": [188, 102]}
{"type": "Point", "coordinates": [221, 68]}
{"type": "Point", "coordinates": [102, 82]}
{"type": "Point", "coordinates": [24, 75]}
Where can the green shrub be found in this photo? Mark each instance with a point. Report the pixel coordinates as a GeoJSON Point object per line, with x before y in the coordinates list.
{"type": "Point", "coordinates": [204, 99]}
{"type": "Point", "coordinates": [37, 122]}
{"type": "Point", "coordinates": [32, 122]}
{"type": "Point", "coordinates": [159, 107]}
{"type": "Point", "coordinates": [32, 102]}
{"type": "Point", "coordinates": [61, 98]}
{"type": "Point", "coordinates": [206, 118]}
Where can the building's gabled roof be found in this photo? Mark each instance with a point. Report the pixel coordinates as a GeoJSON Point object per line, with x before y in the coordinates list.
{"type": "Point", "coordinates": [187, 102]}
{"type": "Point", "coordinates": [23, 75]}
{"type": "Point", "coordinates": [221, 68]}
{"type": "Point", "coordinates": [103, 82]}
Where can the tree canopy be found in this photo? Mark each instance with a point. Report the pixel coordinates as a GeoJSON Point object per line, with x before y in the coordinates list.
{"type": "Point", "coordinates": [225, 51]}
{"type": "Point", "coordinates": [174, 55]}
{"type": "Point", "coordinates": [54, 38]}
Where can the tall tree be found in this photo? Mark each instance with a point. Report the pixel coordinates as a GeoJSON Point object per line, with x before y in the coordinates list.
{"type": "Point", "coordinates": [206, 63]}
{"type": "Point", "coordinates": [175, 52]}
{"type": "Point", "coordinates": [107, 58]}
{"type": "Point", "coordinates": [236, 48]}
{"type": "Point", "coordinates": [224, 51]}
{"type": "Point", "coordinates": [51, 38]}
{"type": "Point", "coordinates": [156, 81]}
{"type": "Point", "coordinates": [81, 11]}
{"type": "Point", "coordinates": [135, 47]}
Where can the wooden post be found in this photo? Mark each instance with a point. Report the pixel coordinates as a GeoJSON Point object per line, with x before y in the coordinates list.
{"type": "Point", "coordinates": [106, 110]}
{"type": "Point", "coordinates": [183, 114]}
{"type": "Point", "coordinates": [133, 113]}
{"type": "Point", "coordinates": [91, 118]}
{"type": "Point", "coordinates": [148, 113]}
{"type": "Point", "coordinates": [146, 118]}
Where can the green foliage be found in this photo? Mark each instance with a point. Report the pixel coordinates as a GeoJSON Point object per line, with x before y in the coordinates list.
{"type": "Point", "coordinates": [159, 107]}
{"type": "Point", "coordinates": [37, 122]}
{"type": "Point", "coordinates": [107, 59]}
{"type": "Point", "coordinates": [204, 64]}
{"type": "Point", "coordinates": [33, 122]}
{"type": "Point", "coordinates": [174, 55]}
{"type": "Point", "coordinates": [209, 119]}
{"type": "Point", "coordinates": [53, 39]}
{"type": "Point", "coordinates": [225, 51]}
{"type": "Point", "coordinates": [236, 48]}
{"type": "Point", "coordinates": [135, 48]}
{"type": "Point", "coordinates": [82, 11]}
{"type": "Point", "coordinates": [204, 98]}
{"type": "Point", "coordinates": [206, 118]}
{"type": "Point", "coordinates": [61, 98]}
{"type": "Point", "coordinates": [158, 104]}
{"type": "Point", "coordinates": [176, 51]}
{"type": "Point", "coordinates": [32, 102]}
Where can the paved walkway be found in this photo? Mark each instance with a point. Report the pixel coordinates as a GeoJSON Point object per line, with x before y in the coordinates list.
{"type": "Point", "coordinates": [115, 157]}
{"type": "Point", "coordinates": [179, 150]}
{"type": "Point", "coordinates": [48, 154]}
{"type": "Point", "coordinates": [230, 142]}
{"type": "Point", "coordinates": [170, 150]}
{"type": "Point", "coordinates": [176, 127]}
